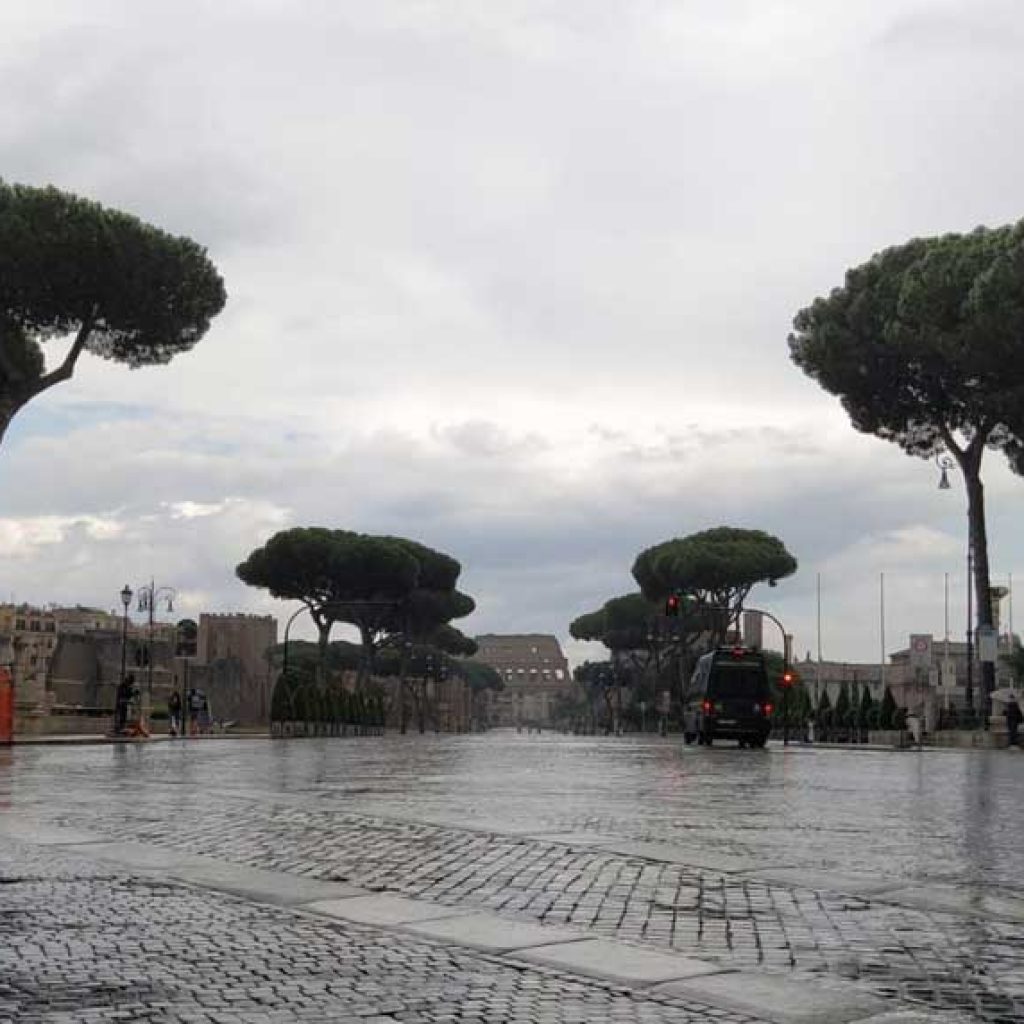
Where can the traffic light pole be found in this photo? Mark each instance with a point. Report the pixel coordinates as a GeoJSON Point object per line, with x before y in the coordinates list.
{"type": "Point", "coordinates": [787, 675]}
{"type": "Point", "coordinates": [673, 608]}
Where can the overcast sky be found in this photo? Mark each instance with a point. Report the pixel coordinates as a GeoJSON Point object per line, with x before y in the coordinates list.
{"type": "Point", "coordinates": [510, 278]}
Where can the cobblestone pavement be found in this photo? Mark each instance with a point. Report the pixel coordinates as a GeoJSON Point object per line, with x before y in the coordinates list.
{"type": "Point", "coordinates": [81, 944]}
{"type": "Point", "coordinates": [935, 958]}
{"type": "Point", "coordinates": [445, 819]}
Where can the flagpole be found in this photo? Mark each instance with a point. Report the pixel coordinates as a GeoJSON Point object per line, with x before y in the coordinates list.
{"type": "Point", "coordinates": [943, 679]}
{"type": "Point", "coordinates": [881, 613]}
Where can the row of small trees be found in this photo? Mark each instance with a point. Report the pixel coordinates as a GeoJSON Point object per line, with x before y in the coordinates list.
{"type": "Point", "coordinates": [398, 595]}
{"type": "Point", "coordinates": [311, 697]}
{"type": "Point", "coordinates": [855, 713]}
{"type": "Point", "coordinates": [299, 705]}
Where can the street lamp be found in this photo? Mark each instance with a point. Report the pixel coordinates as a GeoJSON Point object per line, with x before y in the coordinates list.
{"type": "Point", "coordinates": [286, 682]}
{"type": "Point", "coordinates": [126, 600]}
{"type": "Point", "coordinates": [150, 595]}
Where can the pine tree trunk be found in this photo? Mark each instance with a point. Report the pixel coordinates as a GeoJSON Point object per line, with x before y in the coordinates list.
{"type": "Point", "coordinates": [978, 538]}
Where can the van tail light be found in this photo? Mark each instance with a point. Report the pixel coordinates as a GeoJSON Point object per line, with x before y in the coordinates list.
{"type": "Point", "coordinates": [768, 709]}
{"type": "Point", "coordinates": [705, 706]}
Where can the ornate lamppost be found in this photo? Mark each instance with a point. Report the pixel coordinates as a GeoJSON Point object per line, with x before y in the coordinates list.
{"type": "Point", "coordinates": [126, 600]}
{"type": "Point", "coordinates": [150, 595]}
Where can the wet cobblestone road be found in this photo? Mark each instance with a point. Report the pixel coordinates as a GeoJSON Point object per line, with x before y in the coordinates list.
{"type": "Point", "coordinates": [901, 871]}
{"type": "Point", "coordinates": [77, 944]}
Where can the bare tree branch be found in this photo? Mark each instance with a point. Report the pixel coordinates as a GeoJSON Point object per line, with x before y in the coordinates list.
{"type": "Point", "coordinates": [66, 368]}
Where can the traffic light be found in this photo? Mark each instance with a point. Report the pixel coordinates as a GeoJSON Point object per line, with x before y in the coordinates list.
{"type": "Point", "coordinates": [672, 605]}
{"type": "Point", "coordinates": [788, 678]}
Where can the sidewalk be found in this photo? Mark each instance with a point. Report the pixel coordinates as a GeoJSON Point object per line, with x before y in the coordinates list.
{"type": "Point", "coordinates": [99, 738]}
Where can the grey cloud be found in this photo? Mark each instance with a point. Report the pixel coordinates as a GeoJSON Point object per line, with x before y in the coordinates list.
{"type": "Point", "coordinates": [451, 233]}
{"type": "Point", "coordinates": [480, 439]}
{"type": "Point", "coordinates": [979, 29]}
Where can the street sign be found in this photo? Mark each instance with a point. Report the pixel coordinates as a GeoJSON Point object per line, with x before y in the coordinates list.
{"type": "Point", "coordinates": [987, 643]}
{"type": "Point", "coordinates": [920, 650]}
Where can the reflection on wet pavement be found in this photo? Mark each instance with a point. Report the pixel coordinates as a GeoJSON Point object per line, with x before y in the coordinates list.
{"type": "Point", "coordinates": [901, 871]}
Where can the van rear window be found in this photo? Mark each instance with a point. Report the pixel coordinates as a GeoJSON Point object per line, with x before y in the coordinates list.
{"type": "Point", "coordinates": [736, 679]}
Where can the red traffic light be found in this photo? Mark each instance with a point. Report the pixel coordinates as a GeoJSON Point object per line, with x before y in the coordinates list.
{"type": "Point", "coordinates": [672, 605]}
{"type": "Point", "coordinates": [788, 677]}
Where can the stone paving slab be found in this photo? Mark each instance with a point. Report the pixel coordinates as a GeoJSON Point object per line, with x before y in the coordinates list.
{"type": "Point", "coordinates": [383, 910]}
{"type": "Point", "coordinates": [617, 962]}
{"type": "Point", "coordinates": [492, 933]}
{"type": "Point", "coordinates": [919, 1017]}
{"type": "Point", "coordinates": [958, 901]}
{"type": "Point", "coordinates": [276, 887]}
{"type": "Point", "coordinates": [136, 856]}
{"type": "Point", "coordinates": [43, 834]}
{"type": "Point", "coordinates": [264, 886]}
{"type": "Point", "coordinates": [782, 1000]}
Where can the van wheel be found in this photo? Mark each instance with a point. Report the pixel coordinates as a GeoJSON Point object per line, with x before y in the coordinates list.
{"type": "Point", "coordinates": [707, 739]}
{"type": "Point", "coordinates": [758, 743]}
{"type": "Point", "coordinates": [688, 738]}
{"type": "Point", "coordinates": [743, 744]}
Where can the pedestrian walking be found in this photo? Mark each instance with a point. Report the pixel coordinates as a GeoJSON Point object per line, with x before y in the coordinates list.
{"type": "Point", "coordinates": [122, 701]}
{"type": "Point", "coordinates": [1013, 717]}
{"type": "Point", "coordinates": [174, 713]}
{"type": "Point", "coordinates": [205, 721]}
{"type": "Point", "coordinates": [194, 700]}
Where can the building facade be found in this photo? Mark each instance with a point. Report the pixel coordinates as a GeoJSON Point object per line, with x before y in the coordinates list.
{"type": "Point", "coordinates": [67, 664]}
{"type": "Point", "coordinates": [535, 671]}
{"type": "Point", "coordinates": [233, 666]}
{"type": "Point", "coordinates": [943, 682]}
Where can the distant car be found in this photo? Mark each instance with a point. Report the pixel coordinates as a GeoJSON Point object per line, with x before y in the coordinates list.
{"type": "Point", "coordinates": [728, 698]}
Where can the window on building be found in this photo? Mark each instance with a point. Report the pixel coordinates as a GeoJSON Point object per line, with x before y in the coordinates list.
{"type": "Point", "coordinates": [19, 623]}
{"type": "Point", "coordinates": [559, 674]}
{"type": "Point", "coordinates": [33, 625]}
{"type": "Point", "coordinates": [50, 627]}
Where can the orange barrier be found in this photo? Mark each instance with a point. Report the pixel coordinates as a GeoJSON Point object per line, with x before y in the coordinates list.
{"type": "Point", "coordinates": [6, 708]}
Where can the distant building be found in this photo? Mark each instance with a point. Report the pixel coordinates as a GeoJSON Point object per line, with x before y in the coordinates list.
{"type": "Point", "coordinates": [232, 666]}
{"type": "Point", "coordinates": [28, 635]}
{"type": "Point", "coordinates": [536, 674]}
{"type": "Point", "coordinates": [67, 664]}
{"type": "Point", "coordinates": [909, 685]}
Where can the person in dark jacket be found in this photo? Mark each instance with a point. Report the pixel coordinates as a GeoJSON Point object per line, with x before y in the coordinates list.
{"type": "Point", "coordinates": [174, 712]}
{"type": "Point", "coordinates": [1013, 717]}
{"type": "Point", "coordinates": [123, 698]}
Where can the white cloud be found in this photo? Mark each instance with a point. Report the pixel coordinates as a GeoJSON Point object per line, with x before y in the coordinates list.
{"type": "Point", "coordinates": [514, 279]}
